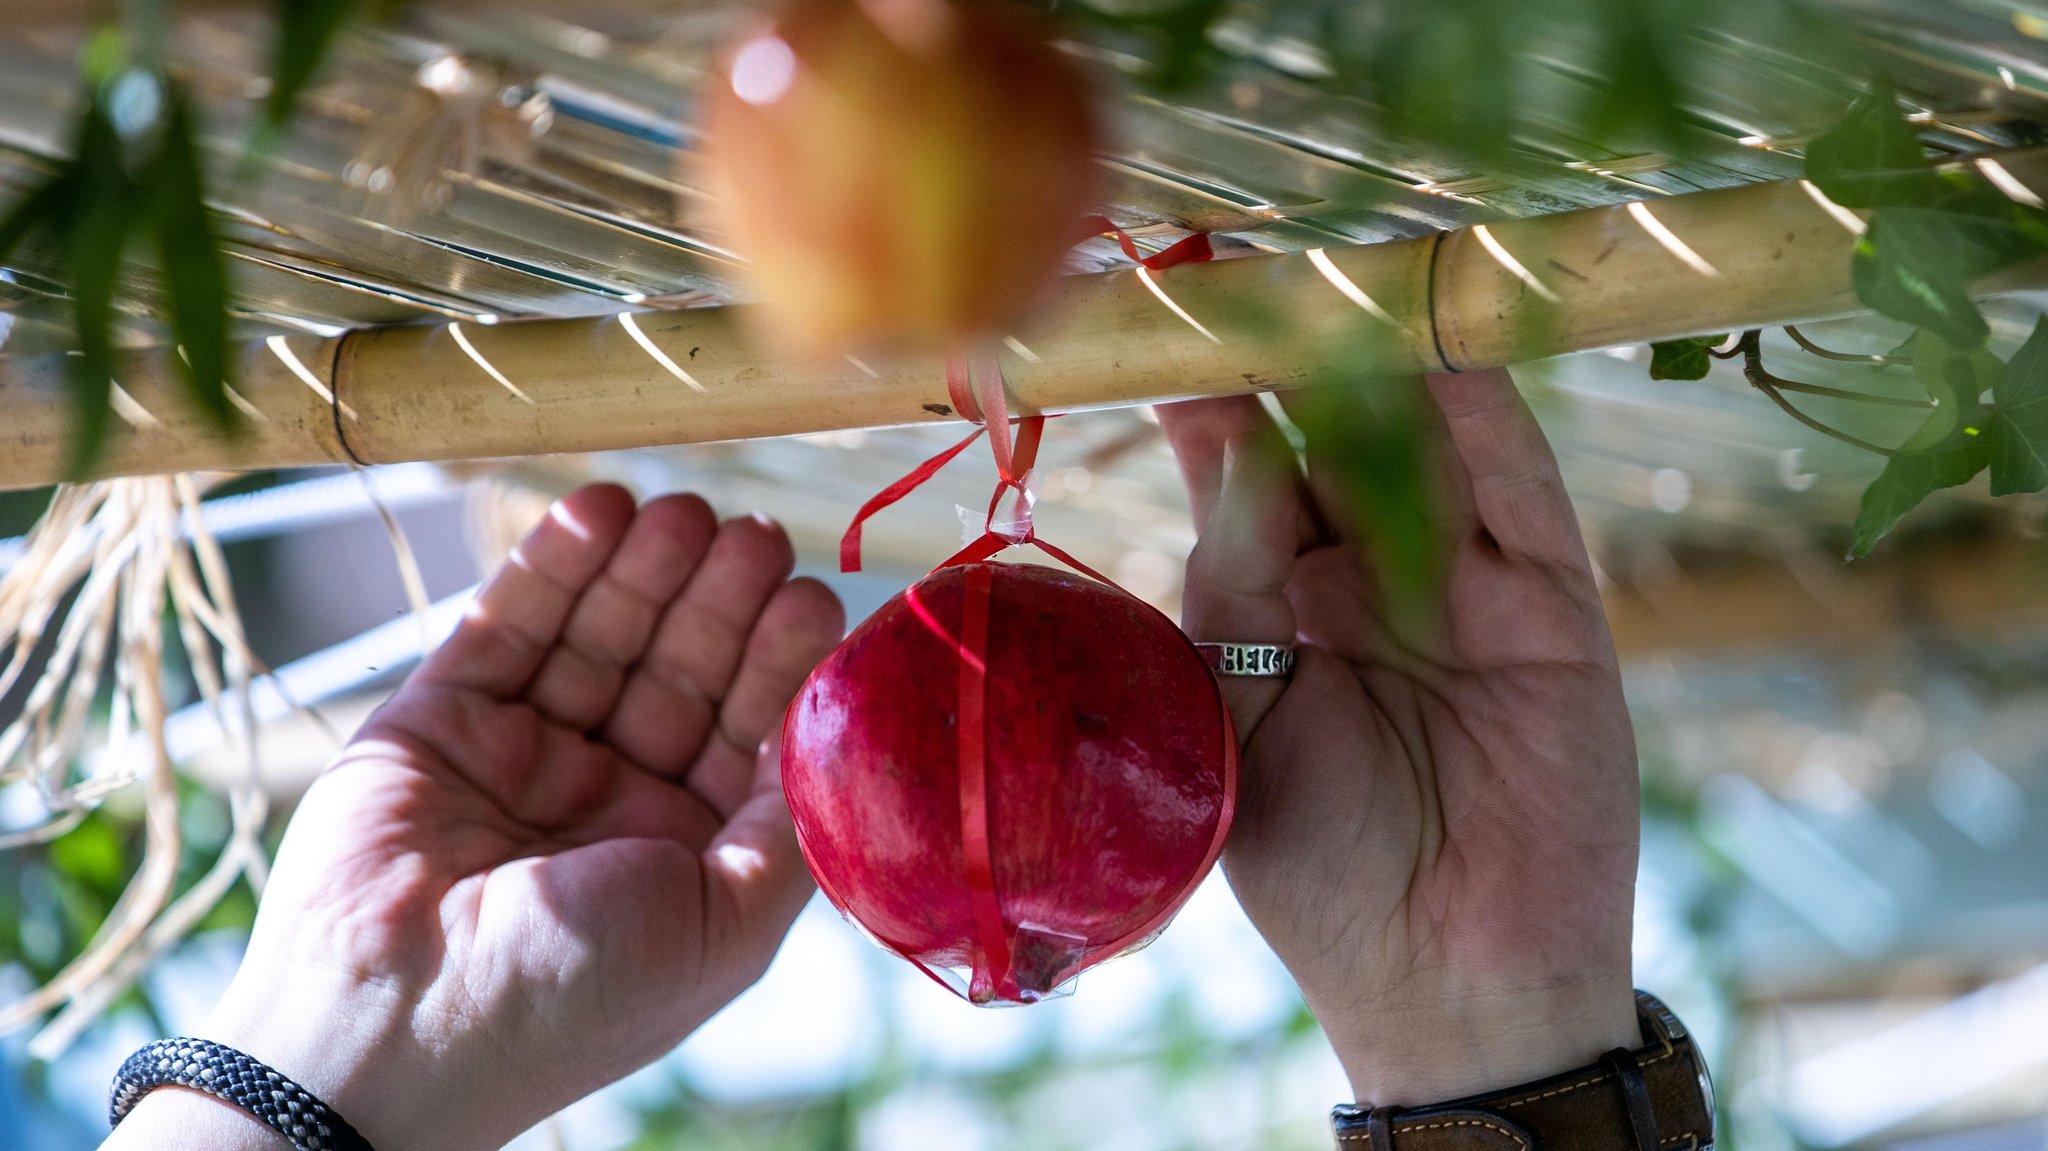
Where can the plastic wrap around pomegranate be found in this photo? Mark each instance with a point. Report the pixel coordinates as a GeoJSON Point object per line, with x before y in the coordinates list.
{"type": "Point", "coordinates": [1009, 774]}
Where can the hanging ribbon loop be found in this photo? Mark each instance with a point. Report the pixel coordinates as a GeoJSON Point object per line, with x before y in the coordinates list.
{"type": "Point", "coordinates": [974, 382]}
{"type": "Point", "coordinates": [976, 386]}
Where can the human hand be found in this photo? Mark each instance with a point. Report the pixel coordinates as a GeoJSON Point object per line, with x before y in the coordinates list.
{"type": "Point", "coordinates": [1436, 833]}
{"type": "Point", "coordinates": [558, 849]}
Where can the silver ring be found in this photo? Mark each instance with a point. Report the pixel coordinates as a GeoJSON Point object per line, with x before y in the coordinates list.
{"type": "Point", "coordinates": [1264, 660]}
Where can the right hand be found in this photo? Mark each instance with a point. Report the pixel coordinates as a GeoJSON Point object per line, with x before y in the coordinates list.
{"type": "Point", "coordinates": [1437, 834]}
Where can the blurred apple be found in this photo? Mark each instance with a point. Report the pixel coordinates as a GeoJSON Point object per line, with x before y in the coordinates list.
{"type": "Point", "coordinates": [901, 174]}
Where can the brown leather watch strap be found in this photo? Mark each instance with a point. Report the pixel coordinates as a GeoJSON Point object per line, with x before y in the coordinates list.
{"type": "Point", "coordinates": [1656, 1098]}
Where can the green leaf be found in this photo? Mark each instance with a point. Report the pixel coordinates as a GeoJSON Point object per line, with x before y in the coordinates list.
{"type": "Point", "coordinates": [1638, 100]}
{"type": "Point", "coordinates": [305, 30]}
{"type": "Point", "coordinates": [95, 225]}
{"type": "Point", "coordinates": [1373, 433]}
{"type": "Point", "coordinates": [1917, 264]}
{"type": "Point", "coordinates": [37, 208]}
{"type": "Point", "coordinates": [1872, 158]}
{"type": "Point", "coordinates": [1685, 359]}
{"type": "Point", "coordinates": [2019, 432]}
{"type": "Point", "coordinates": [195, 275]}
{"type": "Point", "coordinates": [1446, 72]}
{"type": "Point", "coordinates": [91, 854]}
{"type": "Point", "coordinates": [1911, 476]}
{"type": "Point", "coordinates": [1950, 448]}
{"type": "Point", "coordinates": [1956, 379]}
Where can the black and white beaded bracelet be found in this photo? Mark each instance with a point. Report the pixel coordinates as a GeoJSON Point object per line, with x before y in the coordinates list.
{"type": "Point", "coordinates": [229, 1075]}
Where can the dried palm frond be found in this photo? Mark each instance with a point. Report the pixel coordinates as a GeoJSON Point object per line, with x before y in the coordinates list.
{"type": "Point", "coordinates": [87, 601]}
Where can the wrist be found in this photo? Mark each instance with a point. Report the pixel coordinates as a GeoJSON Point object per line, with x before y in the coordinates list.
{"type": "Point", "coordinates": [353, 1044]}
{"type": "Point", "coordinates": [1419, 1049]}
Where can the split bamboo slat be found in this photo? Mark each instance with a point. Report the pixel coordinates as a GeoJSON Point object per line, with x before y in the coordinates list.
{"type": "Point", "coordinates": [1484, 296]}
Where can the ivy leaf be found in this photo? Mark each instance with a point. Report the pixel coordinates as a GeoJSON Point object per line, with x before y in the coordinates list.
{"type": "Point", "coordinates": [1917, 264]}
{"type": "Point", "coordinates": [1950, 448]}
{"type": "Point", "coordinates": [1911, 476]}
{"type": "Point", "coordinates": [194, 273]}
{"type": "Point", "coordinates": [1684, 359]}
{"type": "Point", "coordinates": [1872, 158]}
{"type": "Point", "coordinates": [2019, 432]}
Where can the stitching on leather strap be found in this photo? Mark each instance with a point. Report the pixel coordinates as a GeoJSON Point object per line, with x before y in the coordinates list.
{"type": "Point", "coordinates": [1521, 1140]}
{"type": "Point", "coordinates": [1567, 1089]}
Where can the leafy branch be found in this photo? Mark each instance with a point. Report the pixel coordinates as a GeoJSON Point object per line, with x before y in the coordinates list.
{"type": "Point", "coordinates": [1933, 231]}
{"type": "Point", "coordinates": [1776, 386]}
{"type": "Point", "coordinates": [1842, 357]}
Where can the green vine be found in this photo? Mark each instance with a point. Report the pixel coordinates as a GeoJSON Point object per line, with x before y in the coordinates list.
{"type": "Point", "coordinates": [1933, 232]}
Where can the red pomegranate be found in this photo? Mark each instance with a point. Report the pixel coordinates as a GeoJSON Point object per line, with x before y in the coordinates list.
{"type": "Point", "coordinates": [1010, 771]}
{"type": "Point", "coordinates": [900, 174]}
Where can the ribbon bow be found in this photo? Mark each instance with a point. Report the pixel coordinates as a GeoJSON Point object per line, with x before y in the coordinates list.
{"type": "Point", "coordinates": [974, 381]}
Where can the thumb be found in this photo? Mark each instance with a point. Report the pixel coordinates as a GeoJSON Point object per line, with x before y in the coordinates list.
{"type": "Point", "coordinates": [756, 863]}
{"type": "Point", "coordinates": [1238, 573]}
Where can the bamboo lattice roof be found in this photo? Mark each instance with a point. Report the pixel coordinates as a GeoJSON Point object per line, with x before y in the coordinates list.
{"type": "Point", "coordinates": [564, 184]}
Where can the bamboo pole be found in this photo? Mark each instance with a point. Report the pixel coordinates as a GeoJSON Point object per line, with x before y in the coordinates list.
{"type": "Point", "coordinates": [1503, 293]}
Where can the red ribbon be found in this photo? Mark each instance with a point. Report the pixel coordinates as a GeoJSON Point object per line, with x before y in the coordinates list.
{"type": "Point", "coordinates": [979, 394]}
{"type": "Point", "coordinates": [974, 382]}
{"type": "Point", "coordinates": [1189, 250]}
{"type": "Point", "coordinates": [994, 976]}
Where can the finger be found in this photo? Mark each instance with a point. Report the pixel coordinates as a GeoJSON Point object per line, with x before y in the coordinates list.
{"type": "Point", "coordinates": [798, 628]}
{"type": "Point", "coordinates": [1516, 490]}
{"type": "Point", "coordinates": [1376, 411]}
{"type": "Point", "coordinates": [667, 711]}
{"type": "Point", "coordinates": [518, 615]}
{"type": "Point", "coordinates": [755, 868]}
{"type": "Point", "coordinates": [1238, 573]}
{"type": "Point", "coordinates": [1200, 431]}
{"type": "Point", "coordinates": [614, 619]}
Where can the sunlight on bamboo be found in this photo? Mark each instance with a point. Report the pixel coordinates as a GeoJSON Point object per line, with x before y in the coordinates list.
{"type": "Point", "coordinates": [1145, 274]}
{"type": "Point", "coordinates": [1506, 259]}
{"type": "Point", "coordinates": [1843, 216]}
{"type": "Point", "coordinates": [2002, 178]}
{"type": "Point", "coordinates": [1669, 240]}
{"type": "Point", "coordinates": [1349, 287]}
{"type": "Point", "coordinates": [477, 358]}
{"type": "Point", "coordinates": [290, 359]}
{"type": "Point", "coordinates": [131, 412]}
{"type": "Point", "coordinates": [632, 327]}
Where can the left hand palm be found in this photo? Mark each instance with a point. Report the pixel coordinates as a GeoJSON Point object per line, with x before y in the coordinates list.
{"type": "Point", "coordinates": [562, 845]}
